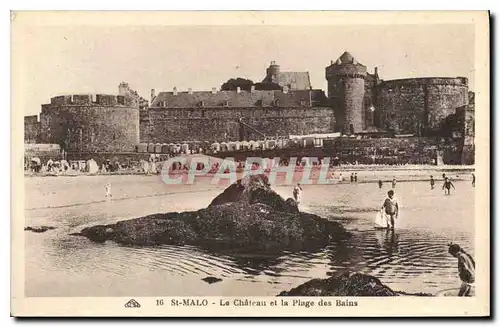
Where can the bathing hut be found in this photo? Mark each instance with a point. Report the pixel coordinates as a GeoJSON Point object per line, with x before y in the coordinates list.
{"type": "Point", "coordinates": [244, 145]}
{"type": "Point", "coordinates": [224, 147]}
{"type": "Point", "coordinates": [185, 148]}
{"type": "Point", "coordinates": [151, 148]}
{"type": "Point", "coordinates": [308, 142]}
{"type": "Point", "coordinates": [270, 144]}
{"type": "Point", "coordinates": [171, 147]}
{"type": "Point", "coordinates": [231, 146]}
{"type": "Point", "coordinates": [158, 148]}
{"type": "Point", "coordinates": [253, 145]}
{"type": "Point", "coordinates": [165, 148]}
{"type": "Point", "coordinates": [142, 147]}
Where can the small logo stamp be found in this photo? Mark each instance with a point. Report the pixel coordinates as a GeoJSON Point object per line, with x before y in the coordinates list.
{"type": "Point", "coordinates": [132, 304]}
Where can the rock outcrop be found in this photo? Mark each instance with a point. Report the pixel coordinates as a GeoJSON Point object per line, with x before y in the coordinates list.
{"type": "Point", "coordinates": [248, 215]}
{"type": "Point", "coordinates": [346, 283]}
{"type": "Point", "coordinates": [38, 229]}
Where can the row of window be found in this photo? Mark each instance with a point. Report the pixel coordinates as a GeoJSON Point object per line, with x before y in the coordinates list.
{"type": "Point", "coordinates": [225, 103]}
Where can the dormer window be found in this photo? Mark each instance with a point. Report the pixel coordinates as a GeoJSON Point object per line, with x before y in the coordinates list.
{"type": "Point", "coordinates": [225, 103]}
{"type": "Point", "coordinates": [201, 104]}
{"type": "Point", "coordinates": [276, 102]}
{"type": "Point", "coordinates": [303, 102]}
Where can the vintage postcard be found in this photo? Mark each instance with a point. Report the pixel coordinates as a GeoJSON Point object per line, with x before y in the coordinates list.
{"type": "Point", "coordinates": [321, 164]}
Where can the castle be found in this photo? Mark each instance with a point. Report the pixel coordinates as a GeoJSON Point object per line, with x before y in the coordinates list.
{"type": "Point", "coordinates": [357, 103]}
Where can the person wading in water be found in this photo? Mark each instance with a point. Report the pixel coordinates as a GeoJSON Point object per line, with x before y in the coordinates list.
{"type": "Point", "coordinates": [466, 269]}
{"type": "Point", "coordinates": [448, 185]}
{"type": "Point", "coordinates": [297, 193]}
{"type": "Point", "coordinates": [391, 208]}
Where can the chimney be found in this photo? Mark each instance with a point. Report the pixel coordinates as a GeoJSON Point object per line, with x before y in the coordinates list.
{"type": "Point", "coordinates": [376, 71]}
{"type": "Point", "coordinates": [175, 90]}
{"type": "Point", "coordinates": [190, 91]}
{"type": "Point", "coordinates": [214, 90]}
{"type": "Point", "coordinates": [153, 94]}
{"type": "Point", "coordinates": [331, 62]}
{"type": "Point", "coordinates": [238, 89]}
{"type": "Point", "coordinates": [285, 89]}
{"type": "Point", "coordinates": [252, 89]}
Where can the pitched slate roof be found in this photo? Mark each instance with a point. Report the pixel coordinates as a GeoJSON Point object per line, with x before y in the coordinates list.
{"type": "Point", "coordinates": [233, 99]}
{"type": "Point", "coordinates": [295, 80]}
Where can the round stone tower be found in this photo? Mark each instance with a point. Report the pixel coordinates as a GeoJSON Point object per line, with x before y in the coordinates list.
{"type": "Point", "coordinates": [346, 90]}
{"type": "Point", "coordinates": [273, 72]}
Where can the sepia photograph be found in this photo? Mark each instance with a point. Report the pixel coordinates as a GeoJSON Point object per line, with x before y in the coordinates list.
{"type": "Point", "coordinates": [329, 160]}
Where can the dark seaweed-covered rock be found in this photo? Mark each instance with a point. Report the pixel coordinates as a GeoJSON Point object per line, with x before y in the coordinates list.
{"type": "Point", "coordinates": [211, 280]}
{"type": "Point", "coordinates": [346, 283]}
{"type": "Point", "coordinates": [247, 215]}
{"type": "Point", "coordinates": [39, 229]}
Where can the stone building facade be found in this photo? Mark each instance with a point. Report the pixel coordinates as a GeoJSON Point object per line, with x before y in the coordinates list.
{"type": "Point", "coordinates": [91, 123]}
{"type": "Point", "coordinates": [357, 101]}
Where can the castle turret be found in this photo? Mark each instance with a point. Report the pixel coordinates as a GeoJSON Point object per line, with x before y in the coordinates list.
{"type": "Point", "coordinates": [346, 89]}
{"type": "Point", "coordinates": [272, 73]}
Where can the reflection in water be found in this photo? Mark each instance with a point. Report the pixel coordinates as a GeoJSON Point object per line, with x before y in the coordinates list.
{"type": "Point", "coordinates": [413, 258]}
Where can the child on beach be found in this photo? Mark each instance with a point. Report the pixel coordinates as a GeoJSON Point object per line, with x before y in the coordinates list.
{"type": "Point", "coordinates": [466, 269]}
{"type": "Point", "coordinates": [447, 184]}
{"type": "Point", "coordinates": [432, 182]}
{"type": "Point", "coordinates": [108, 190]}
{"type": "Point", "coordinates": [394, 182]}
{"type": "Point", "coordinates": [379, 183]}
{"type": "Point", "coordinates": [297, 193]}
{"type": "Point", "coordinates": [391, 208]}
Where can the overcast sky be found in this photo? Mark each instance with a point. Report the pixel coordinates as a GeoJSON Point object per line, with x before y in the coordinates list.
{"type": "Point", "coordinates": [60, 60]}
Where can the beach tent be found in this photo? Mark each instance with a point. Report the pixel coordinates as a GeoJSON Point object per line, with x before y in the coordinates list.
{"type": "Point", "coordinates": [92, 166]}
{"type": "Point", "coordinates": [270, 144]}
{"type": "Point", "coordinates": [231, 146]}
{"type": "Point", "coordinates": [245, 145]}
{"type": "Point", "coordinates": [253, 145]}
{"type": "Point", "coordinates": [171, 147]}
{"type": "Point", "coordinates": [151, 147]}
{"type": "Point", "coordinates": [157, 148]}
{"type": "Point", "coordinates": [164, 148]}
{"type": "Point", "coordinates": [215, 146]}
{"type": "Point", "coordinates": [185, 148]}
{"type": "Point", "coordinates": [224, 146]}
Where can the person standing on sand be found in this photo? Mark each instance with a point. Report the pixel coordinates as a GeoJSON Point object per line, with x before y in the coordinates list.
{"type": "Point", "coordinates": [473, 180]}
{"type": "Point", "coordinates": [394, 182]}
{"type": "Point", "coordinates": [355, 177]}
{"type": "Point", "coordinates": [447, 184]}
{"type": "Point", "coordinates": [391, 208]}
{"type": "Point", "coordinates": [432, 182]}
{"type": "Point", "coordinates": [297, 193]}
{"type": "Point", "coordinates": [108, 190]}
{"type": "Point", "coordinates": [352, 177]}
{"type": "Point", "coordinates": [466, 269]}
{"type": "Point", "coordinates": [379, 183]}
{"type": "Point", "coordinates": [341, 179]}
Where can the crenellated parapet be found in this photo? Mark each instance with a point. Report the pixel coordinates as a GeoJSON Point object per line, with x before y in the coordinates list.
{"type": "Point", "coordinates": [94, 99]}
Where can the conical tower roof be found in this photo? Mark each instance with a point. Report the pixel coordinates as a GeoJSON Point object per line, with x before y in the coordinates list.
{"type": "Point", "coordinates": [347, 58]}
